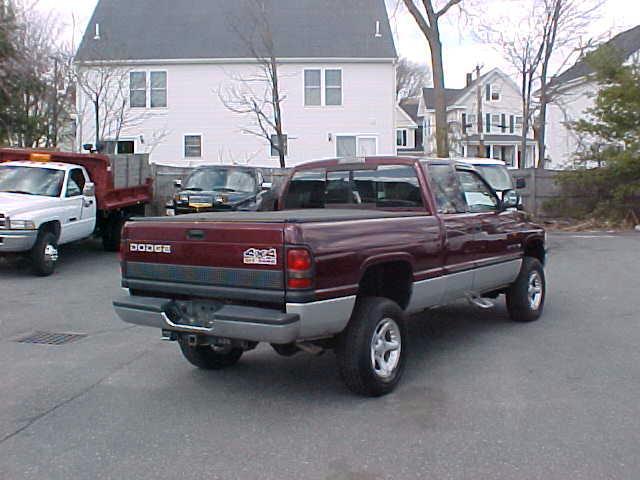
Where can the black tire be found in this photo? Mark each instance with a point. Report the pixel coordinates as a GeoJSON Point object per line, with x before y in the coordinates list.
{"type": "Point", "coordinates": [112, 234]}
{"type": "Point", "coordinates": [356, 353]}
{"type": "Point", "coordinates": [207, 358]}
{"type": "Point", "coordinates": [43, 259]}
{"type": "Point", "coordinates": [522, 303]}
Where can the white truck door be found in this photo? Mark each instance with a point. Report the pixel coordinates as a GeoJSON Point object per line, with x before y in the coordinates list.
{"type": "Point", "coordinates": [79, 217]}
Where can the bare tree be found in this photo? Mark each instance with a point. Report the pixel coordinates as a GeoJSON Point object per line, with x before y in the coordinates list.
{"type": "Point", "coordinates": [33, 85]}
{"type": "Point", "coordinates": [564, 25]}
{"type": "Point", "coordinates": [427, 16]}
{"type": "Point", "coordinates": [411, 78]}
{"type": "Point", "coordinates": [547, 35]}
{"type": "Point", "coordinates": [258, 94]}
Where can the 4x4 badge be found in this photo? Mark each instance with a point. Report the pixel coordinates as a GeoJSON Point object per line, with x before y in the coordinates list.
{"type": "Point", "coordinates": [257, 256]}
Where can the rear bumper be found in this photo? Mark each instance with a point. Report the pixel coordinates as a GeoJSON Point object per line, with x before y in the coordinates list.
{"type": "Point", "coordinates": [229, 321]}
{"type": "Point", "coordinates": [16, 241]}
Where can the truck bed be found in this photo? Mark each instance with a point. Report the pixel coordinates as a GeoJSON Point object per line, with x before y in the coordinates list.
{"type": "Point", "coordinates": [285, 216]}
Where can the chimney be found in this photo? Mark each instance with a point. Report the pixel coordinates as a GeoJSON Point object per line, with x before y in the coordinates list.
{"type": "Point", "coordinates": [469, 79]}
{"type": "Point", "coordinates": [97, 35]}
{"type": "Point", "coordinates": [378, 34]}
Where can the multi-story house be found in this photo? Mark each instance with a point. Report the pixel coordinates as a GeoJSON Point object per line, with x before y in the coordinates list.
{"type": "Point", "coordinates": [498, 99]}
{"type": "Point", "coordinates": [573, 93]}
{"type": "Point", "coordinates": [181, 72]}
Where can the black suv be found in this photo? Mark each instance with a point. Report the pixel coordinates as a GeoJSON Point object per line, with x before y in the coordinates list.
{"type": "Point", "coordinates": [222, 188]}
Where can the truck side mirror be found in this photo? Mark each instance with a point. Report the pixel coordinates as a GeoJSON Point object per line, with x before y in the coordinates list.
{"type": "Point", "coordinates": [89, 190]}
{"type": "Point", "coordinates": [177, 183]}
{"type": "Point", "coordinates": [521, 183]}
{"type": "Point", "coordinates": [267, 185]}
{"type": "Point", "coordinates": [510, 199]}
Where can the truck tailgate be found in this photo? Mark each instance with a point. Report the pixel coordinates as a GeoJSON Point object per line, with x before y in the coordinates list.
{"type": "Point", "coordinates": [214, 259]}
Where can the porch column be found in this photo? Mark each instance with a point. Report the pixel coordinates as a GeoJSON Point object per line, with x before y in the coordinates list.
{"type": "Point", "coordinates": [490, 151]}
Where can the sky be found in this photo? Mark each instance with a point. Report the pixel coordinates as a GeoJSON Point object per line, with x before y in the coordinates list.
{"type": "Point", "coordinates": [462, 51]}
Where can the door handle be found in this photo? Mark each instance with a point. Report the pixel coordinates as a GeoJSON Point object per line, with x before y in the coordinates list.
{"type": "Point", "coordinates": [195, 235]}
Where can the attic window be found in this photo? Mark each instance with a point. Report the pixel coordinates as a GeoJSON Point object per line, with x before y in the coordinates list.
{"type": "Point", "coordinates": [491, 93]}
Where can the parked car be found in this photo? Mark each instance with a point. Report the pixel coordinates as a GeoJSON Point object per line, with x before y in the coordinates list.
{"type": "Point", "coordinates": [358, 245]}
{"type": "Point", "coordinates": [222, 188]}
{"type": "Point", "coordinates": [49, 199]}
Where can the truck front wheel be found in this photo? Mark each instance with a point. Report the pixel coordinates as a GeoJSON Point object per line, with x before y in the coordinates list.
{"type": "Point", "coordinates": [525, 298]}
{"type": "Point", "coordinates": [208, 357]}
{"type": "Point", "coordinates": [372, 350]}
{"type": "Point", "coordinates": [44, 254]}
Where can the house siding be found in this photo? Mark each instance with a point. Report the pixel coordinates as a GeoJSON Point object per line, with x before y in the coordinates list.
{"type": "Point", "coordinates": [567, 107]}
{"type": "Point", "coordinates": [195, 107]}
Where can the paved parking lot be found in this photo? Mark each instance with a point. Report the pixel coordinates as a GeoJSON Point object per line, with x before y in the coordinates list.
{"type": "Point", "coordinates": [482, 398]}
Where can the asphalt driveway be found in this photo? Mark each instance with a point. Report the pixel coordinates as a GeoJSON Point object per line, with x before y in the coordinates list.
{"type": "Point", "coordinates": [482, 398]}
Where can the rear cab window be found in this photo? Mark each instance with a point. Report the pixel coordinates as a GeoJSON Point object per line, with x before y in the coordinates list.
{"type": "Point", "coordinates": [387, 187]}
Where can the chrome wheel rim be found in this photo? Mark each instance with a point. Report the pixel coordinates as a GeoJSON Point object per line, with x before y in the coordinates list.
{"type": "Point", "coordinates": [535, 290]}
{"type": "Point", "coordinates": [386, 346]}
{"type": "Point", "coordinates": [50, 253]}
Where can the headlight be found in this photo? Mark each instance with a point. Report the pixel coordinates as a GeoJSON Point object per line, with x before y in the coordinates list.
{"type": "Point", "coordinates": [20, 224]}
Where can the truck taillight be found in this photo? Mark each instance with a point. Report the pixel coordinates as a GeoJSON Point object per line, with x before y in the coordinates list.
{"type": "Point", "coordinates": [299, 269]}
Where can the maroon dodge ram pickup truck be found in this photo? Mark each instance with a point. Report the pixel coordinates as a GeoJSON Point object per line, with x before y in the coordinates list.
{"type": "Point", "coordinates": [356, 246]}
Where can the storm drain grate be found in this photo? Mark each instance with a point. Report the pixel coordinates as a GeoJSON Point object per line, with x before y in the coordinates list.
{"type": "Point", "coordinates": [51, 338]}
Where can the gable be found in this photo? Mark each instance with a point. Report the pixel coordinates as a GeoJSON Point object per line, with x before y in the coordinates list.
{"type": "Point", "coordinates": [627, 43]}
{"type": "Point", "coordinates": [213, 29]}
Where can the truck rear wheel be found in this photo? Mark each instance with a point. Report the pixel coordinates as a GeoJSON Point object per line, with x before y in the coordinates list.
{"type": "Point", "coordinates": [44, 254]}
{"type": "Point", "coordinates": [525, 298]}
{"type": "Point", "coordinates": [112, 234]}
{"type": "Point", "coordinates": [207, 357]}
{"type": "Point", "coordinates": [372, 350]}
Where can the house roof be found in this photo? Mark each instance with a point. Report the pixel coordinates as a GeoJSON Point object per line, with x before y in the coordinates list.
{"type": "Point", "coordinates": [453, 95]}
{"type": "Point", "coordinates": [410, 107]}
{"type": "Point", "coordinates": [627, 43]}
{"type": "Point", "coordinates": [219, 29]}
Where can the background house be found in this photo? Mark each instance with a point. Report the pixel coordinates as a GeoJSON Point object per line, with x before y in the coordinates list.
{"type": "Point", "coordinates": [501, 105]}
{"type": "Point", "coordinates": [175, 66]}
{"type": "Point", "coordinates": [409, 133]}
{"type": "Point", "coordinates": [572, 93]}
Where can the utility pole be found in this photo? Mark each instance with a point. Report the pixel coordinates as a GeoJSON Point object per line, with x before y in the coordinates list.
{"type": "Point", "coordinates": [482, 151]}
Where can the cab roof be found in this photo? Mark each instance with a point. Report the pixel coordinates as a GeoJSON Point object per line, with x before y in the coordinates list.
{"type": "Point", "coordinates": [48, 165]}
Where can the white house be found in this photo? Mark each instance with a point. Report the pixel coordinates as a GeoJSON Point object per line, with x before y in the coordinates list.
{"type": "Point", "coordinates": [336, 61]}
{"type": "Point", "coordinates": [501, 107]}
{"type": "Point", "coordinates": [573, 92]}
{"type": "Point", "coordinates": [409, 127]}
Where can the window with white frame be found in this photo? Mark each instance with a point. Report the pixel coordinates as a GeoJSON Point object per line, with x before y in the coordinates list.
{"type": "Point", "coordinates": [401, 137]}
{"type": "Point", "coordinates": [333, 87]}
{"type": "Point", "coordinates": [193, 146]}
{"type": "Point", "coordinates": [356, 145]}
{"type": "Point", "coordinates": [153, 93]}
{"type": "Point", "coordinates": [519, 122]}
{"type": "Point", "coordinates": [312, 88]}
{"type": "Point", "coordinates": [495, 122]}
{"type": "Point", "coordinates": [138, 89]}
{"type": "Point", "coordinates": [323, 87]}
{"type": "Point", "coordinates": [158, 90]}
{"type": "Point", "coordinates": [492, 94]}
